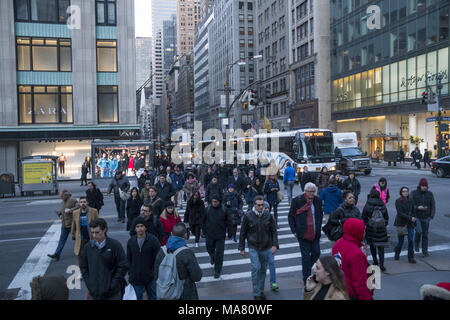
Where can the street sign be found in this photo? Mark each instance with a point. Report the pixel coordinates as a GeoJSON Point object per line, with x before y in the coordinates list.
{"type": "Point", "coordinates": [222, 115]}
{"type": "Point", "coordinates": [433, 119]}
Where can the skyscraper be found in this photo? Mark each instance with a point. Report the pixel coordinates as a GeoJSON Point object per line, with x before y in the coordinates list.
{"type": "Point", "coordinates": [188, 16]}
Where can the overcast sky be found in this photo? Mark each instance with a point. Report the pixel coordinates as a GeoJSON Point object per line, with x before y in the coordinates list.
{"type": "Point", "coordinates": [143, 18]}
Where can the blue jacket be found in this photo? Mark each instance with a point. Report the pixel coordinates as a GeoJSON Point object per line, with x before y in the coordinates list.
{"type": "Point", "coordinates": [332, 198]}
{"type": "Point", "coordinates": [289, 174]}
{"type": "Point", "coordinates": [178, 183]}
{"type": "Point", "coordinates": [271, 196]}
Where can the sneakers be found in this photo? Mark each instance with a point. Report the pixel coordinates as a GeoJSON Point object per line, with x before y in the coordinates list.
{"type": "Point", "coordinates": [263, 296]}
{"type": "Point", "coordinates": [53, 256]}
{"type": "Point", "coordinates": [216, 276]}
{"type": "Point", "coordinates": [234, 239]}
{"type": "Point", "coordinates": [274, 287]}
{"type": "Point", "coordinates": [412, 260]}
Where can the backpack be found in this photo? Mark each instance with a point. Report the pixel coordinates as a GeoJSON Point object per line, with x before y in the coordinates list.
{"type": "Point", "coordinates": [168, 285]}
{"type": "Point", "coordinates": [377, 219]}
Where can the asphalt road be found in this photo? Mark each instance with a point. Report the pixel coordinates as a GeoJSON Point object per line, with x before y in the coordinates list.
{"type": "Point", "coordinates": [29, 228]}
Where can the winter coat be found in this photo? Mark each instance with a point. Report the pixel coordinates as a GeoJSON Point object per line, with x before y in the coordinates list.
{"type": "Point", "coordinates": [207, 179]}
{"type": "Point", "coordinates": [103, 270]}
{"type": "Point", "coordinates": [187, 267]}
{"type": "Point", "coordinates": [297, 222]}
{"type": "Point", "coordinates": [271, 196]}
{"type": "Point", "coordinates": [384, 193]}
{"type": "Point", "coordinates": [195, 211]}
{"type": "Point", "coordinates": [425, 199]}
{"type": "Point", "coordinates": [50, 287]}
{"type": "Point", "coordinates": [239, 183]}
{"type": "Point", "coordinates": [332, 294]}
{"type": "Point", "coordinates": [190, 187]}
{"type": "Point", "coordinates": [121, 183]}
{"type": "Point", "coordinates": [141, 181]}
{"type": "Point", "coordinates": [224, 173]}
{"type": "Point", "coordinates": [94, 198]}
{"type": "Point", "coordinates": [305, 178]}
{"type": "Point", "coordinates": [353, 261]}
{"type": "Point", "coordinates": [232, 203]}
{"type": "Point", "coordinates": [254, 191]}
{"type": "Point", "coordinates": [154, 227]}
{"type": "Point", "coordinates": [352, 185]}
{"type": "Point", "coordinates": [289, 174]}
{"type": "Point", "coordinates": [168, 225]}
{"type": "Point", "coordinates": [331, 197]}
{"type": "Point", "coordinates": [215, 223]}
{"type": "Point", "coordinates": [66, 217]}
{"type": "Point", "coordinates": [322, 181]}
{"type": "Point", "coordinates": [134, 207]}
{"type": "Point", "coordinates": [165, 192]}
{"type": "Point", "coordinates": [76, 228]}
{"type": "Point", "coordinates": [157, 203]}
{"type": "Point", "coordinates": [144, 194]}
{"type": "Point", "coordinates": [405, 211]}
{"type": "Point", "coordinates": [259, 230]}
{"type": "Point", "coordinates": [344, 212]}
{"type": "Point", "coordinates": [138, 164]}
{"type": "Point", "coordinates": [213, 189]}
{"type": "Point", "coordinates": [141, 261]}
{"type": "Point", "coordinates": [177, 181]}
{"type": "Point", "coordinates": [375, 234]}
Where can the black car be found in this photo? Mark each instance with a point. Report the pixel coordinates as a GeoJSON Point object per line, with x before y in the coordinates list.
{"type": "Point", "coordinates": [441, 167]}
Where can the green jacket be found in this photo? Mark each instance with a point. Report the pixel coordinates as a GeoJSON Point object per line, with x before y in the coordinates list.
{"type": "Point", "coordinates": [66, 217]}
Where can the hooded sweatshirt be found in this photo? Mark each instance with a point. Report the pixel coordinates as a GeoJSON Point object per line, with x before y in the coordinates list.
{"type": "Point", "coordinates": [352, 260]}
{"type": "Point", "coordinates": [175, 242]}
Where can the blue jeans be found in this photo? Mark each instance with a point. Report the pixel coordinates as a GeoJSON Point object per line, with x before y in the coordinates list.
{"type": "Point", "coordinates": [62, 240]}
{"type": "Point", "coordinates": [401, 239]}
{"type": "Point", "coordinates": [310, 251]}
{"type": "Point", "coordinates": [259, 261]}
{"type": "Point", "coordinates": [273, 275]}
{"type": "Point", "coordinates": [120, 207]}
{"type": "Point", "coordinates": [422, 226]}
{"type": "Point", "coordinates": [290, 187]}
{"type": "Point", "coordinates": [150, 288]}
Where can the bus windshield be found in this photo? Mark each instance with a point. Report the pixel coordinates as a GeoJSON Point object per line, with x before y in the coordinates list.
{"type": "Point", "coordinates": [319, 147]}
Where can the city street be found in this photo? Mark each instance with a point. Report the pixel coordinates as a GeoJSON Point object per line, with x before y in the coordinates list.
{"type": "Point", "coordinates": [29, 230]}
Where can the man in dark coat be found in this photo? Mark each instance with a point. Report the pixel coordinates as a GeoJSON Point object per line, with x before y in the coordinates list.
{"type": "Point", "coordinates": [142, 250]}
{"type": "Point", "coordinates": [119, 182]}
{"type": "Point", "coordinates": [238, 180]}
{"type": "Point", "coordinates": [352, 184]}
{"type": "Point", "coordinates": [215, 223]}
{"type": "Point", "coordinates": [305, 220]}
{"type": "Point", "coordinates": [104, 264]}
{"type": "Point", "coordinates": [425, 209]}
{"type": "Point", "coordinates": [155, 201]}
{"type": "Point", "coordinates": [142, 179]}
{"type": "Point", "coordinates": [213, 189]}
{"type": "Point", "coordinates": [164, 189]}
{"type": "Point", "coordinates": [224, 174]}
{"type": "Point", "coordinates": [187, 264]}
{"type": "Point", "coordinates": [304, 177]}
{"type": "Point", "coordinates": [153, 224]}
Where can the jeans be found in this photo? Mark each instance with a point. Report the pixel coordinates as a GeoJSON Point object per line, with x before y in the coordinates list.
{"type": "Point", "coordinates": [273, 275]}
{"type": "Point", "coordinates": [178, 198]}
{"type": "Point", "coordinates": [422, 226]}
{"type": "Point", "coordinates": [310, 251]}
{"type": "Point", "coordinates": [120, 207]}
{"type": "Point", "coordinates": [410, 241]}
{"type": "Point", "coordinates": [259, 261]}
{"type": "Point", "coordinates": [62, 240]}
{"type": "Point", "coordinates": [216, 249]}
{"type": "Point", "coordinates": [150, 288]}
{"type": "Point", "coordinates": [290, 188]}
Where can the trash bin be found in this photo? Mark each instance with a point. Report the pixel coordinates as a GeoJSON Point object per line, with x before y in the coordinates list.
{"type": "Point", "coordinates": [7, 184]}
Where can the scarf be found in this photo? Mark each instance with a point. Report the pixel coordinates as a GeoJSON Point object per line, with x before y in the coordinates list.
{"type": "Point", "coordinates": [309, 231]}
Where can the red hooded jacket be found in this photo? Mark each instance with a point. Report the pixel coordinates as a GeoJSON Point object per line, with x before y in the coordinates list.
{"type": "Point", "coordinates": [353, 260]}
{"type": "Point", "coordinates": [168, 225]}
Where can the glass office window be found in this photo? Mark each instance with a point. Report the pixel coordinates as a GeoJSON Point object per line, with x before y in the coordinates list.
{"type": "Point", "coordinates": [432, 27]}
{"type": "Point", "coordinates": [45, 56]}
{"type": "Point", "coordinates": [44, 10]}
{"type": "Point", "coordinates": [106, 56]}
{"type": "Point", "coordinates": [411, 35]}
{"type": "Point", "coordinates": [431, 70]}
{"type": "Point", "coordinates": [65, 56]}
{"type": "Point", "coordinates": [23, 54]}
{"type": "Point", "coordinates": [107, 104]}
{"type": "Point", "coordinates": [22, 9]}
{"type": "Point", "coordinates": [358, 90]}
{"type": "Point", "coordinates": [364, 89]}
{"type": "Point", "coordinates": [393, 43]}
{"type": "Point", "coordinates": [402, 80]}
{"type": "Point", "coordinates": [443, 23]}
{"type": "Point", "coordinates": [421, 32]}
{"type": "Point", "coordinates": [378, 86]}
{"type": "Point", "coordinates": [411, 79]}
{"type": "Point", "coordinates": [66, 104]}
{"type": "Point", "coordinates": [386, 84]}
{"type": "Point", "coordinates": [106, 12]}
{"type": "Point", "coordinates": [401, 9]}
{"type": "Point", "coordinates": [370, 88]}
{"type": "Point", "coordinates": [394, 82]}
{"type": "Point", "coordinates": [443, 69]}
{"type": "Point", "coordinates": [402, 41]}
{"type": "Point", "coordinates": [45, 106]}
{"type": "Point", "coordinates": [421, 74]}
{"type": "Point", "coordinates": [25, 114]}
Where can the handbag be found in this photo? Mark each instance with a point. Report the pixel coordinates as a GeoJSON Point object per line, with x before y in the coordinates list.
{"type": "Point", "coordinates": [402, 230]}
{"type": "Point", "coordinates": [333, 232]}
{"type": "Point", "coordinates": [279, 196]}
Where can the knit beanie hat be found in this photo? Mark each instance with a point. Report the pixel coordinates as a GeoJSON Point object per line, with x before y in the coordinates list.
{"type": "Point", "coordinates": [423, 182]}
{"type": "Point", "coordinates": [169, 204]}
{"type": "Point", "coordinates": [139, 220]}
{"type": "Point", "coordinates": [440, 291]}
{"type": "Point", "coordinates": [231, 186]}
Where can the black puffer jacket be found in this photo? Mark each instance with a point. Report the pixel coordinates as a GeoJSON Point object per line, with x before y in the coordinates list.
{"type": "Point", "coordinates": [260, 231]}
{"type": "Point", "coordinates": [142, 260]}
{"type": "Point", "coordinates": [195, 211]}
{"type": "Point", "coordinates": [344, 212]}
{"type": "Point", "coordinates": [215, 223]}
{"type": "Point", "coordinates": [405, 211]}
{"type": "Point", "coordinates": [375, 234]}
{"type": "Point", "coordinates": [94, 198]}
{"type": "Point", "coordinates": [425, 199]}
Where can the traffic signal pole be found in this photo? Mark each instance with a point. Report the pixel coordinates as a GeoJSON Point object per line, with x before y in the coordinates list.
{"type": "Point", "coordinates": [440, 142]}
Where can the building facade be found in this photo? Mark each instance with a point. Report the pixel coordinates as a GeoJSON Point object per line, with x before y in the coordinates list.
{"type": "Point", "coordinates": [183, 112]}
{"type": "Point", "coordinates": [169, 44]}
{"type": "Point", "coordinates": [205, 8]}
{"type": "Point", "coordinates": [188, 16]}
{"type": "Point", "coordinates": [309, 64]}
{"type": "Point", "coordinates": [60, 88]}
{"type": "Point", "coordinates": [272, 42]}
{"type": "Point", "coordinates": [379, 72]}
{"type": "Point", "coordinates": [143, 60]}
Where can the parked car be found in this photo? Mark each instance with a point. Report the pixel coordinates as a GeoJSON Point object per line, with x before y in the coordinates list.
{"type": "Point", "coordinates": [441, 167]}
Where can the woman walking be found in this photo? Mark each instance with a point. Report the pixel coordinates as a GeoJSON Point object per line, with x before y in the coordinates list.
{"type": "Point", "coordinates": [405, 222]}
{"type": "Point", "coordinates": [256, 189]}
{"type": "Point", "coordinates": [195, 212]}
{"type": "Point", "coordinates": [94, 196]}
{"type": "Point", "coordinates": [382, 188]}
{"type": "Point", "coordinates": [322, 179]}
{"type": "Point", "coordinates": [233, 206]}
{"type": "Point", "coordinates": [134, 204]}
{"type": "Point", "coordinates": [169, 218]}
{"type": "Point", "coordinates": [271, 189]}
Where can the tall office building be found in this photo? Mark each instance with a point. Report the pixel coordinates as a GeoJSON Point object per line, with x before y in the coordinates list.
{"type": "Point", "coordinates": [205, 8]}
{"type": "Point", "coordinates": [143, 60]}
{"type": "Point", "coordinates": [169, 44]}
{"type": "Point", "coordinates": [188, 16]}
{"type": "Point", "coordinates": [61, 88]}
{"type": "Point", "coordinates": [378, 73]}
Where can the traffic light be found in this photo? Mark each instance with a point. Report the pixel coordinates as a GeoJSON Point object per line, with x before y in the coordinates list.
{"type": "Point", "coordinates": [252, 102]}
{"type": "Point", "coordinates": [425, 97]}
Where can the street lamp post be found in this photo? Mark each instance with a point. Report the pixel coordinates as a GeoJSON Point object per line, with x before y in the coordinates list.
{"type": "Point", "coordinates": [439, 87]}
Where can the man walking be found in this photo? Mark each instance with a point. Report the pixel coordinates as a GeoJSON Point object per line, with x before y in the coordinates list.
{"type": "Point", "coordinates": [152, 223]}
{"type": "Point", "coordinates": [164, 188]}
{"type": "Point", "coordinates": [177, 185]}
{"type": "Point", "coordinates": [289, 181]}
{"type": "Point", "coordinates": [68, 205]}
{"type": "Point", "coordinates": [120, 185]}
{"type": "Point", "coordinates": [155, 201]}
{"type": "Point", "coordinates": [260, 230]}
{"type": "Point", "coordinates": [305, 220]}
{"type": "Point", "coordinates": [142, 250]}
{"type": "Point", "coordinates": [104, 264]}
{"type": "Point", "coordinates": [80, 227]}
{"type": "Point", "coordinates": [425, 209]}
{"type": "Point", "coordinates": [215, 223]}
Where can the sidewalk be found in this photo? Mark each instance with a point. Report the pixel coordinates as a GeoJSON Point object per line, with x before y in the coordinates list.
{"type": "Point", "coordinates": [406, 165]}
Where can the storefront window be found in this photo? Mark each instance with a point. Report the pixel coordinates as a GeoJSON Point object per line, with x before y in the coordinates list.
{"type": "Point", "coordinates": [45, 104]}
{"type": "Point", "coordinates": [394, 82]}
{"type": "Point", "coordinates": [443, 69]}
{"type": "Point", "coordinates": [378, 87]}
{"type": "Point", "coordinates": [386, 86]}
{"type": "Point", "coordinates": [358, 90]}
{"type": "Point", "coordinates": [402, 80]}
{"type": "Point", "coordinates": [107, 104]}
{"type": "Point", "coordinates": [364, 89]}
{"type": "Point", "coordinates": [431, 70]}
{"type": "Point", "coordinates": [411, 79]}
{"type": "Point", "coordinates": [106, 56]}
{"type": "Point", "coordinates": [421, 74]}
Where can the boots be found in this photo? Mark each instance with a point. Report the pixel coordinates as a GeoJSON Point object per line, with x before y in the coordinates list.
{"type": "Point", "coordinates": [397, 254]}
{"type": "Point", "coordinates": [411, 257]}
